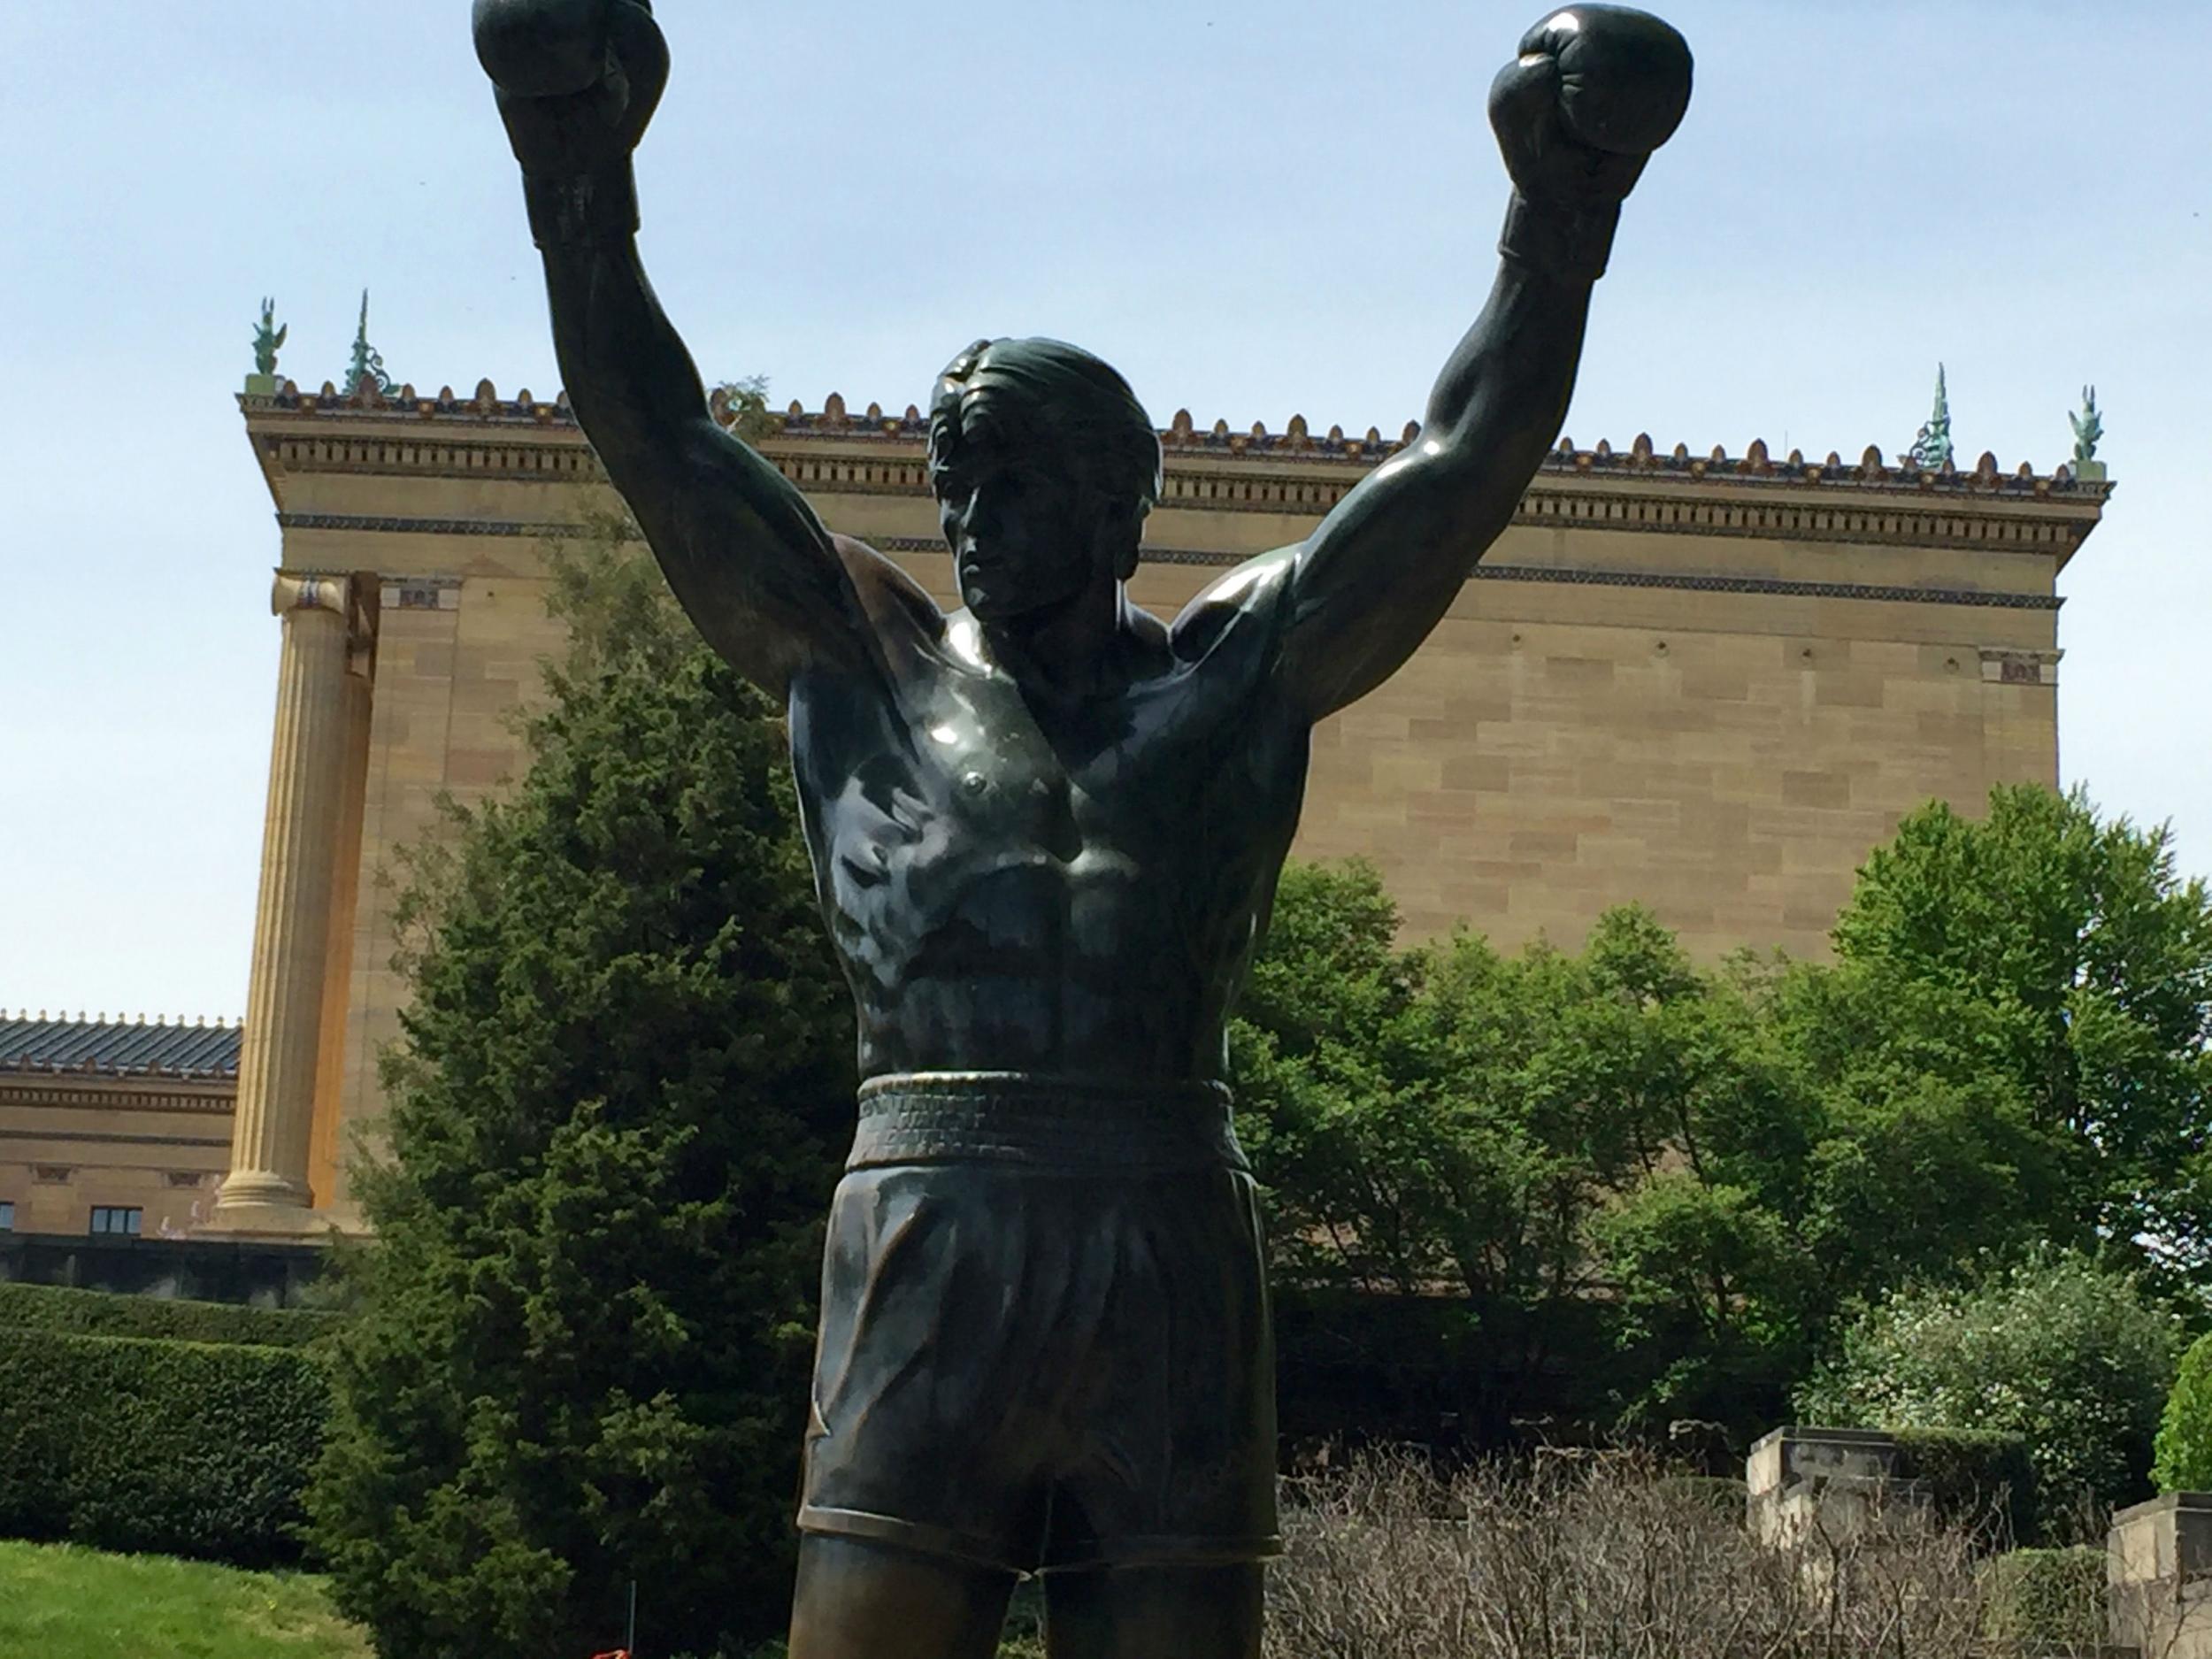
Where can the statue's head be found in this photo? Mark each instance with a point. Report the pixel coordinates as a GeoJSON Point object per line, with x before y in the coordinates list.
{"type": "Point", "coordinates": [1044, 466]}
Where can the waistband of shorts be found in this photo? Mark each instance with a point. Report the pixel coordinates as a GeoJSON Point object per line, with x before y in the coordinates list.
{"type": "Point", "coordinates": [1030, 1119]}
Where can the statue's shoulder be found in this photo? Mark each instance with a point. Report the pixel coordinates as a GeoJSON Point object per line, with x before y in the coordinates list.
{"type": "Point", "coordinates": [894, 602]}
{"type": "Point", "coordinates": [1239, 618]}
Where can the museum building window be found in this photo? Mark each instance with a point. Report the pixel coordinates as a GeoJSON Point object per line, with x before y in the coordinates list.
{"type": "Point", "coordinates": [116, 1219]}
{"type": "Point", "coordinates": [7, 1217]}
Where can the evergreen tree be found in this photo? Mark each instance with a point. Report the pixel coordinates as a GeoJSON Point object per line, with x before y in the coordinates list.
{"type": "Point", "coordinates": [580, 1353]}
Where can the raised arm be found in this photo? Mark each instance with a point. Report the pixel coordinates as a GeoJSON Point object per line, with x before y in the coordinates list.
{"type": "Point", "coordinates": [1595, 89]}
{"type": "Point", "coordinates": [766, 584]}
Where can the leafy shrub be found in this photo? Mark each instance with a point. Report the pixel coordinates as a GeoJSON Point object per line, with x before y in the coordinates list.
{"type": "Point", "coordinates": [1974, 1476]}
{"type": "Point", "coordinates": [2046, 1599]}
{"type": "Point", "coordinates": [187, 1448]}
{"type": "Point", "coordinates": [104, 1313]}
{"type": "Point", "coordinates": [2184, 1455]}
{"type": "Point", "coordinates": [2056, 1349]}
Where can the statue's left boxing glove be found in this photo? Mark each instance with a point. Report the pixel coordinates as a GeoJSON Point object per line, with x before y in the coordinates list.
{"type": "Point", "coordinates": [1595, 89]}
{"type": "Point", "coordinates": [576, 81]}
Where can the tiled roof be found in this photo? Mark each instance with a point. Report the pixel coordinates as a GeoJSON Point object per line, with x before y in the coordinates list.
{"type": "Point", "coordinates": [116, 1048]}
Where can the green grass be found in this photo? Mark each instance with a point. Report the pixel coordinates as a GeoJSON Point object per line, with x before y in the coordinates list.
{"type": "Point", "coordinates": [58, 1602]}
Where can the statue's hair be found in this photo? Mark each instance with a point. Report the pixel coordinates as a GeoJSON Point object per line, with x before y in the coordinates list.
{"type": "Point", "coordinates": [1062, 391]}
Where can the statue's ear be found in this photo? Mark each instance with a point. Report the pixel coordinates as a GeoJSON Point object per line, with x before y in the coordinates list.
{"type": "Point", "coordinates": [1119, 534]}
{"type": "Point", "coordinates": [1126, 565]}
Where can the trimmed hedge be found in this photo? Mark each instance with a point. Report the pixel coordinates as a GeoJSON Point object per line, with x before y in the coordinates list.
{"type": "Point", "coordinates": [107, 1313]}
{"type": "Point", "coordinates": [1974, 1476]}
{"type": "Point", "coordinates": [187, 1448]}
{"type": "Point", "coordinates": [2046, 1599]}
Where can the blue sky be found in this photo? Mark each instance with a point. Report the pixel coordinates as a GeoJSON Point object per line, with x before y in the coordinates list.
{"type": "Point", "coordinates": [1254, 211]}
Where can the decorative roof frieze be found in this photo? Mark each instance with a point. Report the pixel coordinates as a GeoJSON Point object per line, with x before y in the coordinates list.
{"type": "Point", "coordinates": [1294, 473]}
{"type": "Point", "coordinates": [208, 1098]}
{"type": "Point", "coordinates": [487, 408]}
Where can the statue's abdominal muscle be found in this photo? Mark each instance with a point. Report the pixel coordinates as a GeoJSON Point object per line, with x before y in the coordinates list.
{"type": "Point", "coordinates": [998, 902]}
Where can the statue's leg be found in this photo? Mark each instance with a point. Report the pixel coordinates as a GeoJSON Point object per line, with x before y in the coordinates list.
{"type": "Point", "coordinates": [1196, 1612]}
{"type": "Point", "coordinates": [859, 1599]}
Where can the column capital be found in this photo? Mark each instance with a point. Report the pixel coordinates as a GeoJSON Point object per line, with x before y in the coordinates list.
{"type": "Point", "coordinates": [353, 599]}
{"type": "Point", "coordinates": [293, 592]}
{"type": "Point", "coordinates": [2007, 667]}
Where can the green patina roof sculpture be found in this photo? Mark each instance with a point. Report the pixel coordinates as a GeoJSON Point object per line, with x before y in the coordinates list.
{"type": "Point", "coordinates": [1931, 450]}
{"type": "Point", "coordinates": [2088, 427]}
{"type": "Point", "coordinates": [367, 364]}
{"type": "Point", "coordinates": [268, 340]}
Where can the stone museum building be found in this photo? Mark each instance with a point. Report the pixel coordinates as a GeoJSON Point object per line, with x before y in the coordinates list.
{"type": "Point", "coordinates": [1707, 683]}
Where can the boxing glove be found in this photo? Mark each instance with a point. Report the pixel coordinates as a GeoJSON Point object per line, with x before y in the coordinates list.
{"type": "Point", "coordinates": [576, 81]}
{"type": "Point", "coordinates": [1594, 90]}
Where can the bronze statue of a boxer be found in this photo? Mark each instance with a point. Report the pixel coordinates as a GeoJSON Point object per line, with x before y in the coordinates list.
{"type": "Point", "coordinates": [1045, 831]}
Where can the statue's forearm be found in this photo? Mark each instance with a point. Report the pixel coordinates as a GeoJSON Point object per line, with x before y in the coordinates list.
{"type": "Point", "coordinates": [1374, 576]}
{"type": "Point", "coordinates": [630, 379]}
{"type": "Point", "coordinates": [746, 557]}
{"type": "Point", "coordinates": [1502, 395]}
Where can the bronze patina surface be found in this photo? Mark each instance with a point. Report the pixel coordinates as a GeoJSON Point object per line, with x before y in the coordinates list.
{"type": "Point", "coordinates": [1046, 830]}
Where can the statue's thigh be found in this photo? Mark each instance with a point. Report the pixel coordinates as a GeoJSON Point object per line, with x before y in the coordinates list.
{"type": "Point", "coordinates": [858, 1600]}
{"type": "Point", "coordinates": [1210, 1612]}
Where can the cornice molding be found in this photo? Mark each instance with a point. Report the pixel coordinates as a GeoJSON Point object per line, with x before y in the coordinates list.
{"type": "Point", "coordinates": [429, 593]}
{"type": "Point", "coordinates": [20, 1089]}
{"type": "Point", "coordinates": [340, 431]}
{"type": "Point", "coordinates": [1624, 492]}
{"type": "Point", "coordinates": [114, 1137]}
{"type": "Point", "coordinates": [378, 524]}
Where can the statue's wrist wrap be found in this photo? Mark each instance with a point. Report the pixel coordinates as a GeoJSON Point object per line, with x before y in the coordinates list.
{"type": "Point", "coordinates": [573, 208]}
{"type": "Point", "coordinates": [1561, 240]}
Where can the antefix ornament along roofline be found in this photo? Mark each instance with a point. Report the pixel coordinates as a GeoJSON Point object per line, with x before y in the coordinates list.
{"type": "Point", "coordinates": [1183, 435]}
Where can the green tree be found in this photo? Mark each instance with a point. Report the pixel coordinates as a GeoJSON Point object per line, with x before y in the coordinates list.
{"type": "Point", "coordinates": [2183, 1455]}
{"type": "Point", "coordinates": [2043, 951]}
{"type": "Point", "coordinates": [581, 1348]}
{"type": "Point", "coordinates": [2067, 1354]}
{"type": "Point", "coordinates": [1451, 1126]}
{"type": "Point", "coordinates": [2008, 1054]}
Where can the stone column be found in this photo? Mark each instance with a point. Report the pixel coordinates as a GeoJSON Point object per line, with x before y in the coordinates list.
{"type": "Point", "coordinates": [2158, 1570]}
{"type": "Point", "coordinates": [326, 1149]}
{"type": "Point", "coordinates": [267, 1188]}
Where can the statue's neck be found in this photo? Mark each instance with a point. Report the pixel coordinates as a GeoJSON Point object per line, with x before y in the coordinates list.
{"type": "Point", "coordinates": [1074, 649]}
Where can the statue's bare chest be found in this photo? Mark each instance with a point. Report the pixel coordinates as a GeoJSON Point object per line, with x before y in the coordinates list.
{"type": "Point", "coordinates": [972, 790]}
{"type": "Point", "coordinates": [967, 828]}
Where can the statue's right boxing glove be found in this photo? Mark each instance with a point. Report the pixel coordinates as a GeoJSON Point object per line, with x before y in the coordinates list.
{"type": "Point", "coordinates": [576, 81]}
{"type": "Point", "coordinates": [1594, 90]}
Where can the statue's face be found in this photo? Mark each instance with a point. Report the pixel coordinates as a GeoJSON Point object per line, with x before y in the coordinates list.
{"type": "Point", "coordinates": [1014, 511]}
